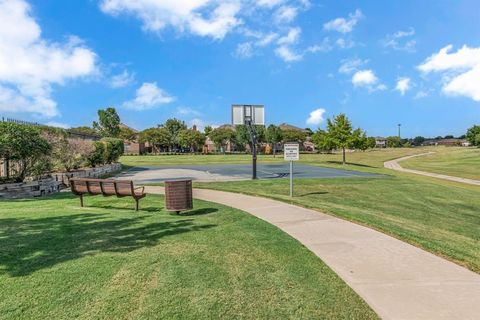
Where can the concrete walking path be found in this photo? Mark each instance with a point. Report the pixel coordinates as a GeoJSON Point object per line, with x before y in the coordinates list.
{"type": "Point", "coordinates": [398, 280]}
{"type": "Point", "coordinates": [394, 165]}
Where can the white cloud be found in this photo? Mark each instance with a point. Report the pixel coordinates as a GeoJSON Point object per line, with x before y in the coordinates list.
{"type": "Point", "coordinates": [421, 94]}
{"type": "Point", "coordinates": [403, 85]}
{"type": "Point", "coordinates": [316, 116]}
{"type": "Point", "coordinates": [266, 39]}
{"type": "Point", "coordinates": [30, 64]}
{"type": "Point", "coordinates": [325, 46]}
{"type": "Point", "coordinates": [181, 15]}
{"type": "Point", "coordinates": [401, 40]}
{"type": "Point", "coordinates": [460, 70]}
{"type": "Point", "coordinates": [364, 78]}
{"type": "Point", "coordinates": [367, 79]}
{"type": "Point", "coordinates": [344, 25]}
{"type": "Point", "coordinates": [186, 111]}
{"type": "Point", "coordinates": [148, 96]}
{"type": "Point", "coordinates": [285, 14]}
{"type": "Point", "coordinates": [244, 50]}
{"type": "Point", "coordinates": [292, 36]}
{"type": "Point", "coordinates": [287, 54]}
{"type": "Point", "coordinates": [269, 3]}
{"type": "Point", "coordinates": [349, 66]}
{"type": "Point", "coordinates": [345, 43]}
{"type": "Point", "coordinates": [122, 80]}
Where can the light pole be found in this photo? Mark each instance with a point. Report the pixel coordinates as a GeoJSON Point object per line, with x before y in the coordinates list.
{"type": "Point", "coordinates": [399, 125]}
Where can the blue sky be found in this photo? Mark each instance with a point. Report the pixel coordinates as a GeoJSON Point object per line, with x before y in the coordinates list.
{"type": "Point", "coordinates": [381, 62]}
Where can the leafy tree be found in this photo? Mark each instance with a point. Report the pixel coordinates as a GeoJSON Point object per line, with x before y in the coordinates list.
{"type": "Point", "coordinates": [173, 127]}
{"type": "Point", "coordinates": [97, 157]}
{"type": "Point", "coordinates": [84, 130]}
{"type": "Point", "coordinates": [309, 132]}
{"type": "Point", "coordinates": [273, 135]}
{"type": "Point", "coordinates": [359, 139]}
{"type": "Point", "coordinates": [341, 133]}
{"type": "Point", "coordinates": [74, 153]}
{"type": "Point", "coordinates": [242, 137]}
{"type": "Point", "coordinates": [473, 135]}
{"type": "Point", "coordinates": [127, 134]}
{"type": "Point", "coordinates": [25, 145]}
{"type": "Point", "coordinates": [191, 139]}
{"type": "Point", "coordinates": [292, 135]}
{"type": "Point", "coordinates": [207, 130]}
{"type": "Point", "coordinates": [418, 141]}
{"type": "Point", "coordinates": [108, 123]}
{"type": "Point", "coordinates": [157, 137]}
{"type": "Point", "coordinates": [323, 141]}
{"type": "Point", "coordinates": [394, 142]}
{"type": "Point", "coordinates": [449, 136]}
{"type": "Point", "coordinates": [221, 136]}
{"type": "Point", "coordinates": [371, 142]}
{"type": "Point", "coordinates": [114, 148]}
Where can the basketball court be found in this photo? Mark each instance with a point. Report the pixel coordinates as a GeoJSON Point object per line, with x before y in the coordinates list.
{"type": "Point", "coordinates": [232, 172]}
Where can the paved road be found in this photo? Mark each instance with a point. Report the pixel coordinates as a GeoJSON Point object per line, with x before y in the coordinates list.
{"type": "Point", "coordinates": [227, 172]}
{"type": "Point", "coordinates": [394, 165]}
{"type": "Point", "coordinates": [398, 280]}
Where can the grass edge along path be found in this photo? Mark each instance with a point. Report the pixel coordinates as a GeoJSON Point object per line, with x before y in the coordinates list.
{"type": "Point", "coordinates": [106, 261]}
{"type": "Point", "coordinates": [439, 217]}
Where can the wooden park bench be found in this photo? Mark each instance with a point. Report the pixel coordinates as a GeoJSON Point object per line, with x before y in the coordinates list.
{"type": "Point", "coordinates": [106, 187]}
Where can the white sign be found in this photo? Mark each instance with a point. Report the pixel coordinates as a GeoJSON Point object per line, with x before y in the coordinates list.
{"type": "Point", "coordinates": [291, 152]}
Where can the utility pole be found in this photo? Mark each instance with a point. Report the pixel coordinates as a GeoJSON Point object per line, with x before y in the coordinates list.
{"type": "Point", "coordinates": [399, 136]}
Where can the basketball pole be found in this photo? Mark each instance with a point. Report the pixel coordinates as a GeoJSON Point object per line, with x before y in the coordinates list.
{"type": "Point", "coordinates": [253, 136]}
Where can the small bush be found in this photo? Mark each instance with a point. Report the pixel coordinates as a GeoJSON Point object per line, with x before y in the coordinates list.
{"type": "Point", "coordinates": [114, 148]}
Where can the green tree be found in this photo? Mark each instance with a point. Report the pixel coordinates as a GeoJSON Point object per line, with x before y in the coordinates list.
{"type": "Point", "coordinates": [340, 131]}
{"type": "Point", "coordinates": [473, 135]}
{"type": "Point", "coordinates": [84, 130]}
{"type": "Point", "coordinates": [191, 139]}
{"type": "Point", "coordinates": [173, 126]}
{"type": "Point", "coordinates": [108, 123]}
{"type": "Point", "coordinates": [25, 145]}
{"type": "Point", "coordinates": [207, 130]}
{"type": "Point", "coordinates": [394, 142]}
{"type": "Point", "coordinates": [359, 140]}
{"type": "Point", "coordinates": [221, 136]}
{"type": "Point", "coordinates": [371, 142]}
{"type": "Point", "coordinates": [323, 141]}
{"type": "Point", "coordinates": [127, 134]}
{"type": "Point", "coordinates": [157, 137]}
{"type": "Point", "coordinates": [114, 149]}
{"type": "Point", "coordinates": [97, 157]}
{"type": "Point", "coordinates": [273, 135]}
{"type": "Point", "coordinates": [417, 141]}
{"type": "Point", "coordinates": [292, 135]}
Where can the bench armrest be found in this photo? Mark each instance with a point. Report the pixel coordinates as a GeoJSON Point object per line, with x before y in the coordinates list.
{"type": "Point", "coordinates": [143, 189]}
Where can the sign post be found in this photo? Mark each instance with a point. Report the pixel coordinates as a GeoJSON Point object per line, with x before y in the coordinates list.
{"type": "Point", "coordinates": [291, 152]}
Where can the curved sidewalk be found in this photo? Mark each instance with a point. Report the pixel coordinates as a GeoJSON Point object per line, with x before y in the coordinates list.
{"type": "Point", "coordinates": [394, 165]}
{"type": "Point", "coordinates": [398, 280]}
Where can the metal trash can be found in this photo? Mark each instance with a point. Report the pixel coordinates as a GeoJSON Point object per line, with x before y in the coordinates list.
{"type": "Point", "coordinates": [178, 195]}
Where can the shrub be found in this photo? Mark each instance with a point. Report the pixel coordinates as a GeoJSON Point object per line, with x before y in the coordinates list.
{"type": "Point", "coordinates": [97, 157]}
{"type": "Point", "coordinates": [113, 149]}
{"type": "Point", "coordinates": [25, 146]}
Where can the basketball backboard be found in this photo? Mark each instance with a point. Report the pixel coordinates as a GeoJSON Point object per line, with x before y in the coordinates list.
{"type": "Point", "coordinates": [243, 112]}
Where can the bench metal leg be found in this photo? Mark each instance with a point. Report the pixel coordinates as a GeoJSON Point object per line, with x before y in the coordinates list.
{"type": "Point", "coordinates": [81, 200]}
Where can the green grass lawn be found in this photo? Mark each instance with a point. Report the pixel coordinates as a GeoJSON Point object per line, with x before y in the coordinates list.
{"type": "Point", "coordinates": [106, 261]}
{"type": "Point", "coordinates": [459, 162]}
{"type": "Point", "coordinates": [439, 217]}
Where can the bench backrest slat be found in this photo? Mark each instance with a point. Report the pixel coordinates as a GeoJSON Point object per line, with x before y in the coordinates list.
{"type": "Point", "coordinates": [107, 187]}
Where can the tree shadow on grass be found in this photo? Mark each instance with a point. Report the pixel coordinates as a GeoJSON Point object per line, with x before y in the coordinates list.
{"type": "Point", "coordinates": [313, 193]}
{"type": "Point", "coordinates": [351, 164]}
{"type": "Point", "coordinates": [198, 212]}
{"type": "Point", "coordinates": [28, 245]}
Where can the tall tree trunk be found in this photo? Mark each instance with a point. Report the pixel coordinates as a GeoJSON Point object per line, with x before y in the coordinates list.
{"type": "Point", "coordinates": [274, 149]}
{"type": "Point", "coordinates": [344, 161]}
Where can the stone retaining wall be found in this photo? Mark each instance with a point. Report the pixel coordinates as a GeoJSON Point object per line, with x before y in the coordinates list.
{"type": "Point", "coordinates": [55, 183]}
